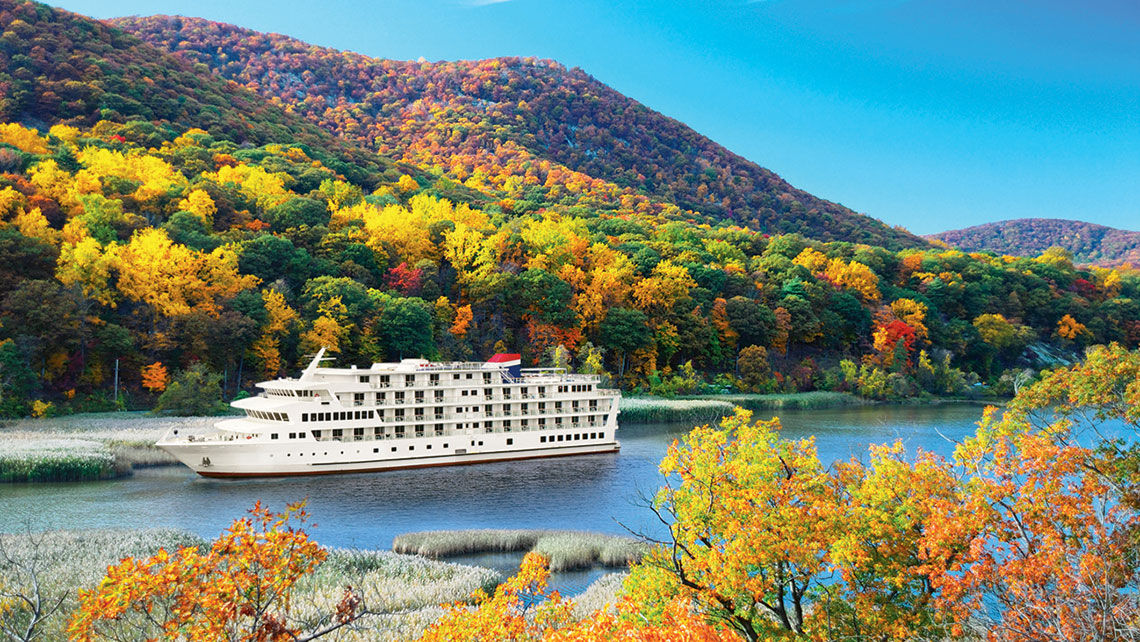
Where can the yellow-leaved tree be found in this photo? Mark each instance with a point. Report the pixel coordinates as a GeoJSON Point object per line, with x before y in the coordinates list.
{"type": "Point", "coordinates": [175, 279]}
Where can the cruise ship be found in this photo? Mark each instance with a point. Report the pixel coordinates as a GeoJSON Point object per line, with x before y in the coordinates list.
{"type": "Point", "coordinates": [410, 414]}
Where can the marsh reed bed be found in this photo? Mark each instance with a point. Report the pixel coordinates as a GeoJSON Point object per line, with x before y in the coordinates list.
{"type": "Point", "coordinates": [813, 400]}
{"type": "Point", "coordinates": [48, 459]}
{"type": "Point", "coordinates": [407, 589]}
{"type": "Point", "coordinates": [567, 550]}
{"type": "Point", "coordinates": [656, 410]}
{"type": "Point", "coordinates": [85, 447]}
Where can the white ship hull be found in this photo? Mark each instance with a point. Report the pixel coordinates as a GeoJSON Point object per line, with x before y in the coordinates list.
{"type": "Point", "coordinates": [399, 416]}
{"type": "Point", "coordinates": [252, 459]}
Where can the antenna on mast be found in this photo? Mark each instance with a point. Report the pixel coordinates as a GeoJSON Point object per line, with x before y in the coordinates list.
{"type": "Point", "coordinates": [308, 372]}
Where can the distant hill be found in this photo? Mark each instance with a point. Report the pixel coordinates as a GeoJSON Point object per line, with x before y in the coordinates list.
{"type": "Point", "coordinates": [60, 67]}
{"type": "Point", "coordinates": [528, 129]}
{"type": "Point", "coordinates": [1089, 243]}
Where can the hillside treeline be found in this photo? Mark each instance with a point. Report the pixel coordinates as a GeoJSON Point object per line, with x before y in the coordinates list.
{"type": "Point", "coordinates": [163, 249]}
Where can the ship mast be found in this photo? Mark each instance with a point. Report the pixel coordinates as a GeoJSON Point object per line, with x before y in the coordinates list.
{"type": "Point", "coordinates": [308, 372]}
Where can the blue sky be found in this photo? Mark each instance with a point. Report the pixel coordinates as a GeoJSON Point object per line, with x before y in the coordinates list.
{"type": "Point", "coordinates": [931, 114]}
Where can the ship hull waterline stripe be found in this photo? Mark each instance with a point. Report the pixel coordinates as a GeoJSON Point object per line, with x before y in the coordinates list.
{"type": "Point", "coordinates": [470, 462]}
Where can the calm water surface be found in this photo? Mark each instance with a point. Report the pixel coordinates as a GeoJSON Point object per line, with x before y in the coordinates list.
{"type": "Point", "coordinates": [596, 492]}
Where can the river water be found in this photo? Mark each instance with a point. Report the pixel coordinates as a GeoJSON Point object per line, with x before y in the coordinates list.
{"type": "Point", "coordinates": [595, 492]}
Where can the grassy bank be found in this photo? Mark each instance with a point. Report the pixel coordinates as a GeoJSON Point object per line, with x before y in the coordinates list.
{"type": "Point", "coordinates": [566, 549]}
{"type": "Point", "coordinates": [709, 408]}
{"type": "Point", "coordinates": [407, 589]}
{"type": "Point", "coordinates": [49, 459]}
{"type": "Point", "coordinates": [86, 446]}
{"type": "Point", "coordinates": [656, 410]}
{"type": "Point", "coordinates": [797, 400]}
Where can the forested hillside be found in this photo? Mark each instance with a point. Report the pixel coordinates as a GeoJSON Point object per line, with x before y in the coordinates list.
{"type": "Point", "coordinates": [198, 250]}
{"type": "Point", "coordinates": [168, 233]}
{"type": "Point", "coordinates": [527, 129]}
{"type": "Point", "coordinates": [56, 66]}
{"type": "Point", "coordinates": [1088, 242]}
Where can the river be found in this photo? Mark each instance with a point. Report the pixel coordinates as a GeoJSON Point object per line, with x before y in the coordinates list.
{"type": "Point", "coordinates": [595, 492]}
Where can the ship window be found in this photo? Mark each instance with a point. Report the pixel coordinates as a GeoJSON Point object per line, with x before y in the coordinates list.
{"type": "Point", "coordinates": [358, 433]}
{"type": "Point", "coordinates": [411, 447]}
{"type": "Point", "coordinates": [429, 446]}
{"type": "Point", "coordinates": [363, 378]}
{"type": "Point", "coordinates": [337, 433]}
{"type": "Point", "coordinates": [371, 414]}
{"type": "Point", "coordinates": [445, 445]}
{"type": "Point", "coordinates": [409, 380]}
{"type": "Point", "coordinates": [305, 417]}
{"type": "Point", "coordinates": [542, 439]}
{"type": "Point", "coordinates": [273, 436]}
{"type": "Point", "coordinates": [292, 435]}
{"type": "Point", "coordinates": [559, 437]}
{"type": "Point", "coordinates": [393, 449]}
{"type": "Point", "coordinates": [510, 441]}
{"type": "Point", "coordinates": [375, 450]}
{"type": "Point", "coordinates": [468, 375]}
{"type": "Point", "coordinates": [577, 437]}
{"type": "Point", "coordinates": [464, 393]}
{"type": "Point", "coordinates": [480, 443]}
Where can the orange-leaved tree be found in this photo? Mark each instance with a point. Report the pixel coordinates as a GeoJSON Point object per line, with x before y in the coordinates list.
{"type": "Point", "coordinates": [522, 608]}
{"type": "Point", "coordinates": [238, 589]}
{"type": "Point", "coordinates": [1044, 543]}
{"type": "Point", "coordinates": [155, 377]}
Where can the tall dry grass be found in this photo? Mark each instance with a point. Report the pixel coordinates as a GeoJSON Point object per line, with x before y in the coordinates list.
{"type": "Point", "coordinates": [566, 549]}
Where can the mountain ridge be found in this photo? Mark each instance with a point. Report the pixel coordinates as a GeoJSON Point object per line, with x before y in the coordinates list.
{"type": "Point", "coordinates": [495, 119]}
{"type": "Point", "coordinates": [1089, 243]}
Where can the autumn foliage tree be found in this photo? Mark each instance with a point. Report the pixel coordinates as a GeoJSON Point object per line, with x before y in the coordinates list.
{"type": "Point", "coordinates": [238, 589]}
{"type": "Point", "coordinates": [1043, 545]}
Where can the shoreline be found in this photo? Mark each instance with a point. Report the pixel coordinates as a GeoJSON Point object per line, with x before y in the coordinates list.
{"type": "Point", "coordinates": [112, 445]}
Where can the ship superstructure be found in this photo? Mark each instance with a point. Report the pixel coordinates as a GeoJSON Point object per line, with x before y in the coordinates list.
{"type": "Point", "coordinates": [410, 414]}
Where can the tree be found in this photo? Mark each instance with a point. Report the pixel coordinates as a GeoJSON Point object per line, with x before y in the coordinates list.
{"type": "Point", "coordinates": [753, 366]}
{"type": "Point", "coordinates": [405, 328]}
{"type": "Point", "coordinates": [295, 212]}
{"type": "Point", "coordinates": [155, 377]}
{"type": "Point", "coordinates": [753, 322]}
{"type": "Point", "coordinates": [238, 589]}
{"type": "Point", "coordinates": [1071, 329]}
{"type": "Point", "coordinates": [766, 540]}
{"type": "Point", "coordinates": [196, 391]}
{"type": "Point", "coordinates": [522, 608]}
{"type": "Point", "coordinates": [1042, 545]}
{"type": "Point", "coordinates": [623, 331]}
{"type": "Point", "coordinates": [26, 601]}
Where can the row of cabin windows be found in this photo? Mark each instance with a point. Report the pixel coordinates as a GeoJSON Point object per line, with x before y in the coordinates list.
{"type": "Point", "coordinates": [410, 381]}
{"type": "Point", "coordinates": [576, 437]}
{"type": "Point", "coordinates": [399, 432]}
{"type": "Point", "coordinates": [347, 415]}
{"type": "Point", "coordinates": [292, 435]}
{"type": "Point", "coordinates": [268, 416]}
{"type": "Point", "coordinates": [398, 413]}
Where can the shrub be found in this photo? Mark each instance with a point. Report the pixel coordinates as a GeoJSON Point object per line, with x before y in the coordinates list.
{"type": "Point", "coordinates": [196, 391]}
